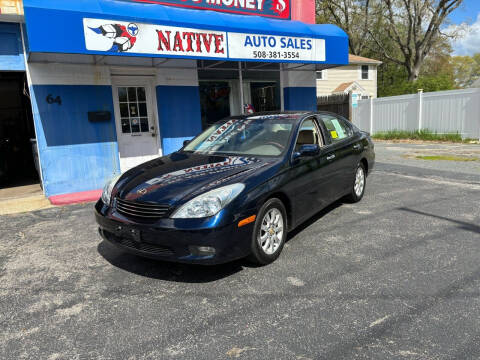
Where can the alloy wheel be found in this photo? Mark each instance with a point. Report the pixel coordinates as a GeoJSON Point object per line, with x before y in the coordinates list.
{"type": "Point", "coordinates": [359, 182]}
{"type": "Point", "coordinates": [271, 231]}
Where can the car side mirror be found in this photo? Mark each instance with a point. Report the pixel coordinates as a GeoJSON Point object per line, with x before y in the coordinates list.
{"type": "Point", "coordinates": [307, 151]}
{"type": "Point", "coordinates": [186, 142]}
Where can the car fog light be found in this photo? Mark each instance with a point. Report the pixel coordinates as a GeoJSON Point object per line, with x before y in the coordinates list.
{"type": "Point", "coordinates": [202, 250]}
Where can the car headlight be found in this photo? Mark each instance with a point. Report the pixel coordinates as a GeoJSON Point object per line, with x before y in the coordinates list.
{"type": "Point", "coordinates": [107, 190]}
{"type": "Point", "coordinates": [210, 203]}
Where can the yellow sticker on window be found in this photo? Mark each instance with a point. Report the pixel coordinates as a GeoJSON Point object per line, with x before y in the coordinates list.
{"type": "Point", "coordinates": [334, 134]}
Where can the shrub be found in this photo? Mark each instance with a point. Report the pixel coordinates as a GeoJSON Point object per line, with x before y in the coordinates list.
{"type": "Point", "coordinates": [427, 83]}
{"type": "Point", "coordinates": [424, 134]}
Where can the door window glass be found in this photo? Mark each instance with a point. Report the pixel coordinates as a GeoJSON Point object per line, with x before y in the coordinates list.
{"type": "Point", "coordinates": [337, 129]}
{"type": "Point", "coordinates": [133, 109]}
{"type": "Point", "coordinates": [308, 134]}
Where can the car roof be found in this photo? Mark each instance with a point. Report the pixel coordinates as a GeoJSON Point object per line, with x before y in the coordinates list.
{"type": "Point", "coordinates": [286, 115]}
{"type": "Point", "coordinates": [293, 116]}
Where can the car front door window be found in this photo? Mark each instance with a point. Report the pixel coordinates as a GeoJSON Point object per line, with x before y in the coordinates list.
{"type": "Point", "coordinates": [308, 135]}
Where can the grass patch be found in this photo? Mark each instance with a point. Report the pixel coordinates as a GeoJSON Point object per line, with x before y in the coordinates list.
{"type": "Point", "coordinates": [418, 135]}
{"type": "Point", "coordinates": [448, 158]}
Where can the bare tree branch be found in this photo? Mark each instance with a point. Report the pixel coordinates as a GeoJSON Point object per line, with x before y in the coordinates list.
{"type": "Point", "coordinates": [403, 31]}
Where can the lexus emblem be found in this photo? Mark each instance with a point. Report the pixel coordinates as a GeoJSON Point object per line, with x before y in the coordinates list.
{"type": "Point", "coordinates": [142, 191]}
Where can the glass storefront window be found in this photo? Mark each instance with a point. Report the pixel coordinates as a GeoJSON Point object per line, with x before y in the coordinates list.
{"type": "Point", "coordinates": [265, 96]}
{"type": "Point", "coordinates": [214, 101]}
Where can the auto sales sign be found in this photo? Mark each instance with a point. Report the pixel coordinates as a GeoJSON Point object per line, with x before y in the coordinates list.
{"type": "Point", "coordinates": [112, 36]}
{"type": "Point", "coordinates": [271, 8]}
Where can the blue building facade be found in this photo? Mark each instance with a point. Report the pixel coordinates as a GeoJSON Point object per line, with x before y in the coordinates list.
{"type": "Point", "coordinates": [11, 51]}
{"type": "Point", "coordinates": [115, 83]}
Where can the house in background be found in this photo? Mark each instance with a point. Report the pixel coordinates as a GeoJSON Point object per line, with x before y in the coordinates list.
{"type": "Point", "coordinates": [359, 77]}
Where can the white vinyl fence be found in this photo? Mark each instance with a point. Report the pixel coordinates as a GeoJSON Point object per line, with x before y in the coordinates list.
{"type": "Point", "coordinates": [442, 112]}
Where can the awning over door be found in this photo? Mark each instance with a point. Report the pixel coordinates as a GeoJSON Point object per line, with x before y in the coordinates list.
{"type": "Point", "coordinates": [132, 28]}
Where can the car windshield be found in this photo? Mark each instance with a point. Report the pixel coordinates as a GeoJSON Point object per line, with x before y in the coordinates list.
{"type": "Point", "coordinates": [255, 136]}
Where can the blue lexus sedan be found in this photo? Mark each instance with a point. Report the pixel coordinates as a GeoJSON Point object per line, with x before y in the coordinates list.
{"type": "Point", "coordinates": [237, 189]}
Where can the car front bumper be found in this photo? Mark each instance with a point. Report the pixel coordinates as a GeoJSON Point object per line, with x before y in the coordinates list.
{"type": "Point", "coordinates": [174, 243]}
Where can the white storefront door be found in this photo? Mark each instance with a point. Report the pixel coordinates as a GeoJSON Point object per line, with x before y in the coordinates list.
{"type": "Point", "coordinates": [136, 121]}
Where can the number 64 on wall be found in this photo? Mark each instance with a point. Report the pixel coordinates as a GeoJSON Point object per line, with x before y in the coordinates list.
{"type": "Point", "coordinates": [51, 100]}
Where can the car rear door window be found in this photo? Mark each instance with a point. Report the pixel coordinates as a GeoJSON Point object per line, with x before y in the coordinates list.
{"type": "Point", "coordinates": [336, 128]}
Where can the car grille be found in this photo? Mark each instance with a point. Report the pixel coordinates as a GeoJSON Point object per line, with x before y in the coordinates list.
{"type": "Point", "coordinates": [140, 246]}
{"type": "Point", "coordinates": [141, 210]}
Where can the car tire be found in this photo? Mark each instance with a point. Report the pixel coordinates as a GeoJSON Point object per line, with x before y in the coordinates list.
{"type": "Point", "coordinates": [358, 185]}
{"type": "Point", "coordinates": [269, 232]}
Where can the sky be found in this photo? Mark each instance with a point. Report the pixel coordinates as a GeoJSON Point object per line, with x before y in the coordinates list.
{"type": "Point", "coordinates": [469, 15]}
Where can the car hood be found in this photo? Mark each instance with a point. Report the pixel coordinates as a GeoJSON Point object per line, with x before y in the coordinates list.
{"type": "Point", "coordinates": [182, 176]}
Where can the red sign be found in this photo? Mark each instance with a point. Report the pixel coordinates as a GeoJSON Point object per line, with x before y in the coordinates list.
{"type": "Point", "coordinates": [270, 8]}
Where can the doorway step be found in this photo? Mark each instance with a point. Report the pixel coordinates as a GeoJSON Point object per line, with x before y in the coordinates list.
{"type": "Point", "coordinates": [19, 199]}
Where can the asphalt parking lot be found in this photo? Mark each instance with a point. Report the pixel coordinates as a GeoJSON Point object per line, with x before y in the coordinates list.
{"type": "Point", "coordinates": [396, 276]}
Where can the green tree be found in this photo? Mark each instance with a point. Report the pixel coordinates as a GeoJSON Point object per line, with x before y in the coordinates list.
{"type": "Point", "coordinates": [466, 69]}
{"type": "Point", "coordinates": [438, 62]}
{"type": "Point", "coordinates": [436, 74]}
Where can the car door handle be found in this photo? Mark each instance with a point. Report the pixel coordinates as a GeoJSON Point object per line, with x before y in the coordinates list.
{"type": "Point", "coordinates": [331, 157]}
